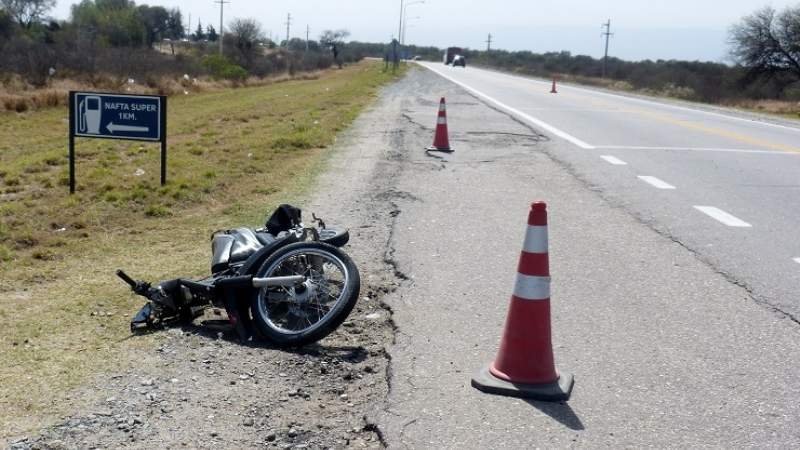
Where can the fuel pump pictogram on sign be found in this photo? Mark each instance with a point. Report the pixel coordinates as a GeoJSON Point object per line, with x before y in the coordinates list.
{"type": "Point", "coordinates": [89, 115]}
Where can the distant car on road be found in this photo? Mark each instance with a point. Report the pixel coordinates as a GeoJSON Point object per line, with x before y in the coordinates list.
{"type": "Point", "coordinates": [450, 54]}
{"type": "Point", "coordinates": [459, 60]}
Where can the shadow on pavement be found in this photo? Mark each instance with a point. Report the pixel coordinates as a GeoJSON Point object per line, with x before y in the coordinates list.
{"type": "Point", "coordinates": [561, 412]}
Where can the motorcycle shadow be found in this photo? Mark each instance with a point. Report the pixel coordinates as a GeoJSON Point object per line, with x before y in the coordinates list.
{"type": "Point", "coordinates": [345, 353]}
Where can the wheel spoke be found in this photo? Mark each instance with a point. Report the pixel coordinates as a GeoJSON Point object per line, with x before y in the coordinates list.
{"type": "Point", "coordinates": [293, 310]}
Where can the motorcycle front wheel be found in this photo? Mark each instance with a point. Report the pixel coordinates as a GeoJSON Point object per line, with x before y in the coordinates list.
{"type": "Point", "coordinates": [307, 312]}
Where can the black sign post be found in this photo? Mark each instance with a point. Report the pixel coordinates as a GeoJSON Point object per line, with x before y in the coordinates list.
{"type": "Point", "coordinates": [117, 116]}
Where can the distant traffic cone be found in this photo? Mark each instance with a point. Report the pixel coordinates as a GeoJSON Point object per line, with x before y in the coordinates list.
{"type": "Point", "coordinates": [441, 142]}
{"type": "Point", "coordinates": [554, 90]}
{"type": "Point", "coordinates": [524, 365]}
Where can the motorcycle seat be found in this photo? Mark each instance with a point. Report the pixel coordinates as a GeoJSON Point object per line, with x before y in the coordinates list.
{"type": "Point", "coordinates": [233, 246]}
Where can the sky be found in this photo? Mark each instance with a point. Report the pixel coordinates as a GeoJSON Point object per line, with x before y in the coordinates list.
{"type": "Point", "coordinates": [655, 29]}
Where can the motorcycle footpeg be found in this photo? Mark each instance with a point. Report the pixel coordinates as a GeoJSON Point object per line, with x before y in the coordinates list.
{"type": "Point", "coordinates": [151, 318]}
{"type": "Point", "coordinates": [143, 320]}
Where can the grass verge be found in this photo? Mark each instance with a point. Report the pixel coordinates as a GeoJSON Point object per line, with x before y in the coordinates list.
{"type": "Point", "coordinates": [233, 155]}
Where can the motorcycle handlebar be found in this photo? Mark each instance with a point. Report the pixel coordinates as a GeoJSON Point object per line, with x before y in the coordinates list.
{"type": "Point", "coordinates": [127, 279]}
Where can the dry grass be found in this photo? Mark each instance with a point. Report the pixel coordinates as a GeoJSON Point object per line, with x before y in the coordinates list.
{"type": "Point", "coordinates": [234, 154]}
{"type": "Point", "coordinates": [18, 96]}
{"type": "Point", "coordinates": [781, 108]}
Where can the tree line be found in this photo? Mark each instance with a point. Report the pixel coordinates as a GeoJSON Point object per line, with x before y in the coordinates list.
{"type": "Point", "coordinates": [118, 37]}
{"type": "Point", "coordinates": [764, 49]}
{"type": "Point", "coordinates": [122, 39]}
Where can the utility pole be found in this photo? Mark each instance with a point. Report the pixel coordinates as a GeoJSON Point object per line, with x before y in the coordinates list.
{"type": "Point", "coordinates": [221, 23]}
{"type": "Point", "coordinates": [400, 27]}
{"type": "Point", "coordinates": [607, 33]}
{"type": "Point", "coordinates": [308, 32]}
{"type": "Point", "coordinates": [489, 43]}
{"type": "Point", "coordinates": [288, 27]}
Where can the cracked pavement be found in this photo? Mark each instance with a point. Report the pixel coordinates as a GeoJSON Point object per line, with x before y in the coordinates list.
{"type": "Point", "coordinates": [667, 350]}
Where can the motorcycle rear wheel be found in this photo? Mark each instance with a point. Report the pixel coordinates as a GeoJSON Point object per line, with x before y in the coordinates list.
{"type": "Point", "coordinates": [299, 315]}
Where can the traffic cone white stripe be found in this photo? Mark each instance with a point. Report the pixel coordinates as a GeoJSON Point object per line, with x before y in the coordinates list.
{"type": "Point", "coordinates": [535, 240]}
{"type": "Point", "coordinates": [528, 287]}
{"type": "Point", "coordinates": [441, 121]}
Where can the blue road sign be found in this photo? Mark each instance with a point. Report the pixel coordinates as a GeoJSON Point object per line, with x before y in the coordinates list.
{"type": "Point", "coordinates": [117, 116]}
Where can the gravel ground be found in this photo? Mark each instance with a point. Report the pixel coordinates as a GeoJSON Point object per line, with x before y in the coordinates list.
{"type": "Point", "coordinates": [201, 388]}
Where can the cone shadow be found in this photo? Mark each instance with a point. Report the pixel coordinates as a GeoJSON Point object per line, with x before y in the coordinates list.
{"type": "Point", "coordinates": [561, 412]}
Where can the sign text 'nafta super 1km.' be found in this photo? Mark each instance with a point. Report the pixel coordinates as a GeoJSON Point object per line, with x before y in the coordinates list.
{"type": "Point", "coordinates": [118, 116]}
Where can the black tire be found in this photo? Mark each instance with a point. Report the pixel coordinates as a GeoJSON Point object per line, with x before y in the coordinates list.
{"type": "Point", "coordinates": [294, 259]}
{"type": "Point", "coordinates": [334, 236]}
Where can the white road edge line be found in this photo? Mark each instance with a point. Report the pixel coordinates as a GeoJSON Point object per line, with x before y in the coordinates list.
{"type": "Point", "coordinates": [655, 182]}
{"type": "Point", "coordinates": [655, 103]}
{"type": "Point", "coordinates": [613, 160]}
{"type": "Point", "coordinates": [543, 125]}
{"type": "Point", "coordinates": [723, 217]}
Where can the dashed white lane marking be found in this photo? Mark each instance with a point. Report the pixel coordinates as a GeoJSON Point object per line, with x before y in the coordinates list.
{"type": "Point", "coordinates": [694, 149]}
{"type": "Point", "coordinates": [655, 182]}
{"type": "Point", "coordinates": [614, 160]}
{"type": "Point", "coordinates": [543, 125]}
{"type": "Point", "coordinates": [797, 260]}
{"type": "Point", "coordinates": [723, 217]}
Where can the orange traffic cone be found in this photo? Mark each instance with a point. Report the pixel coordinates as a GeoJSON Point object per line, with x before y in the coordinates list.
{"type": "Point", "coordinates": [524, 365]}
{"type": "Point", "coordinates": [441, 142]}
{"type": "Point", "coordinates": [554, 90]}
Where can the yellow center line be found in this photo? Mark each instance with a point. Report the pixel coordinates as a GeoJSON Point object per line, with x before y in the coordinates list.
{"type": "Point", "coordinates": [744, 138]}
{"type": "Point", "coordinates": [740, 137]}
{"type": "Point", "coordinates": [590, 102]}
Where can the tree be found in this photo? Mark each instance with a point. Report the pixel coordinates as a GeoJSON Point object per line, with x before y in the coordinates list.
{"type": "Point", "coordinates": [334, 40]}
{"type": "Point", "coordinates": [296, 44]}
{"type": "Point", "coordinates": [211, 34]}
{"type": "Point", "coordinates": [245, 35]}
{"type": "Point", "coordinates": [155, 20]}
{"type": "Point", "coordinates": [6, 25]}
{"type": "Point", "coordinates": [767, 43]}
{"type": "Point", "coordinates": [27, 12]}
{"type": "Point", "coordinates": [199, 34]}
{"type": "Point", "coordinates": [329, 37]}
{"type": "Point", "coordinates": [174, 29]}
{"type": "Point", "coordinates": [116, 23]}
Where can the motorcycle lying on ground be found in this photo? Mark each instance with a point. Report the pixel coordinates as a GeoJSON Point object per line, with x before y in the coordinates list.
{"type": "Point", "coordinates": [287, 283]}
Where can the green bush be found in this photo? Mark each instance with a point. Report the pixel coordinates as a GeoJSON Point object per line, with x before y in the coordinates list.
{"type": "Point", "coordinates": [5, 254]}
{"type": "Point", "coordinates": [157, 211]}
{"type": "Point", "coordinates": [222, 69]}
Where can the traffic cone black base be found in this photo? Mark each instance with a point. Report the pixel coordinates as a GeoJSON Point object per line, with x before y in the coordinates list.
{"type": "Point", "coordinates": [435, 149]}
{"type": "Point", "coordinates": [557, 391]}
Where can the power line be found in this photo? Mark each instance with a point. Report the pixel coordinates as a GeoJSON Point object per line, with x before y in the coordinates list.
{"type": "Point", "coordinates": [221, 23]}
{"type": "Point", "coordinates": [489, 43]}
{"type": "Point", "coordinates": [607, 33]}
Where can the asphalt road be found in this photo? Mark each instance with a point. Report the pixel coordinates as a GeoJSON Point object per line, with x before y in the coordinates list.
{"type": "Point", "coordinates": [724, 184]}
{"type": "Point", "coordinates": [655, 306]}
